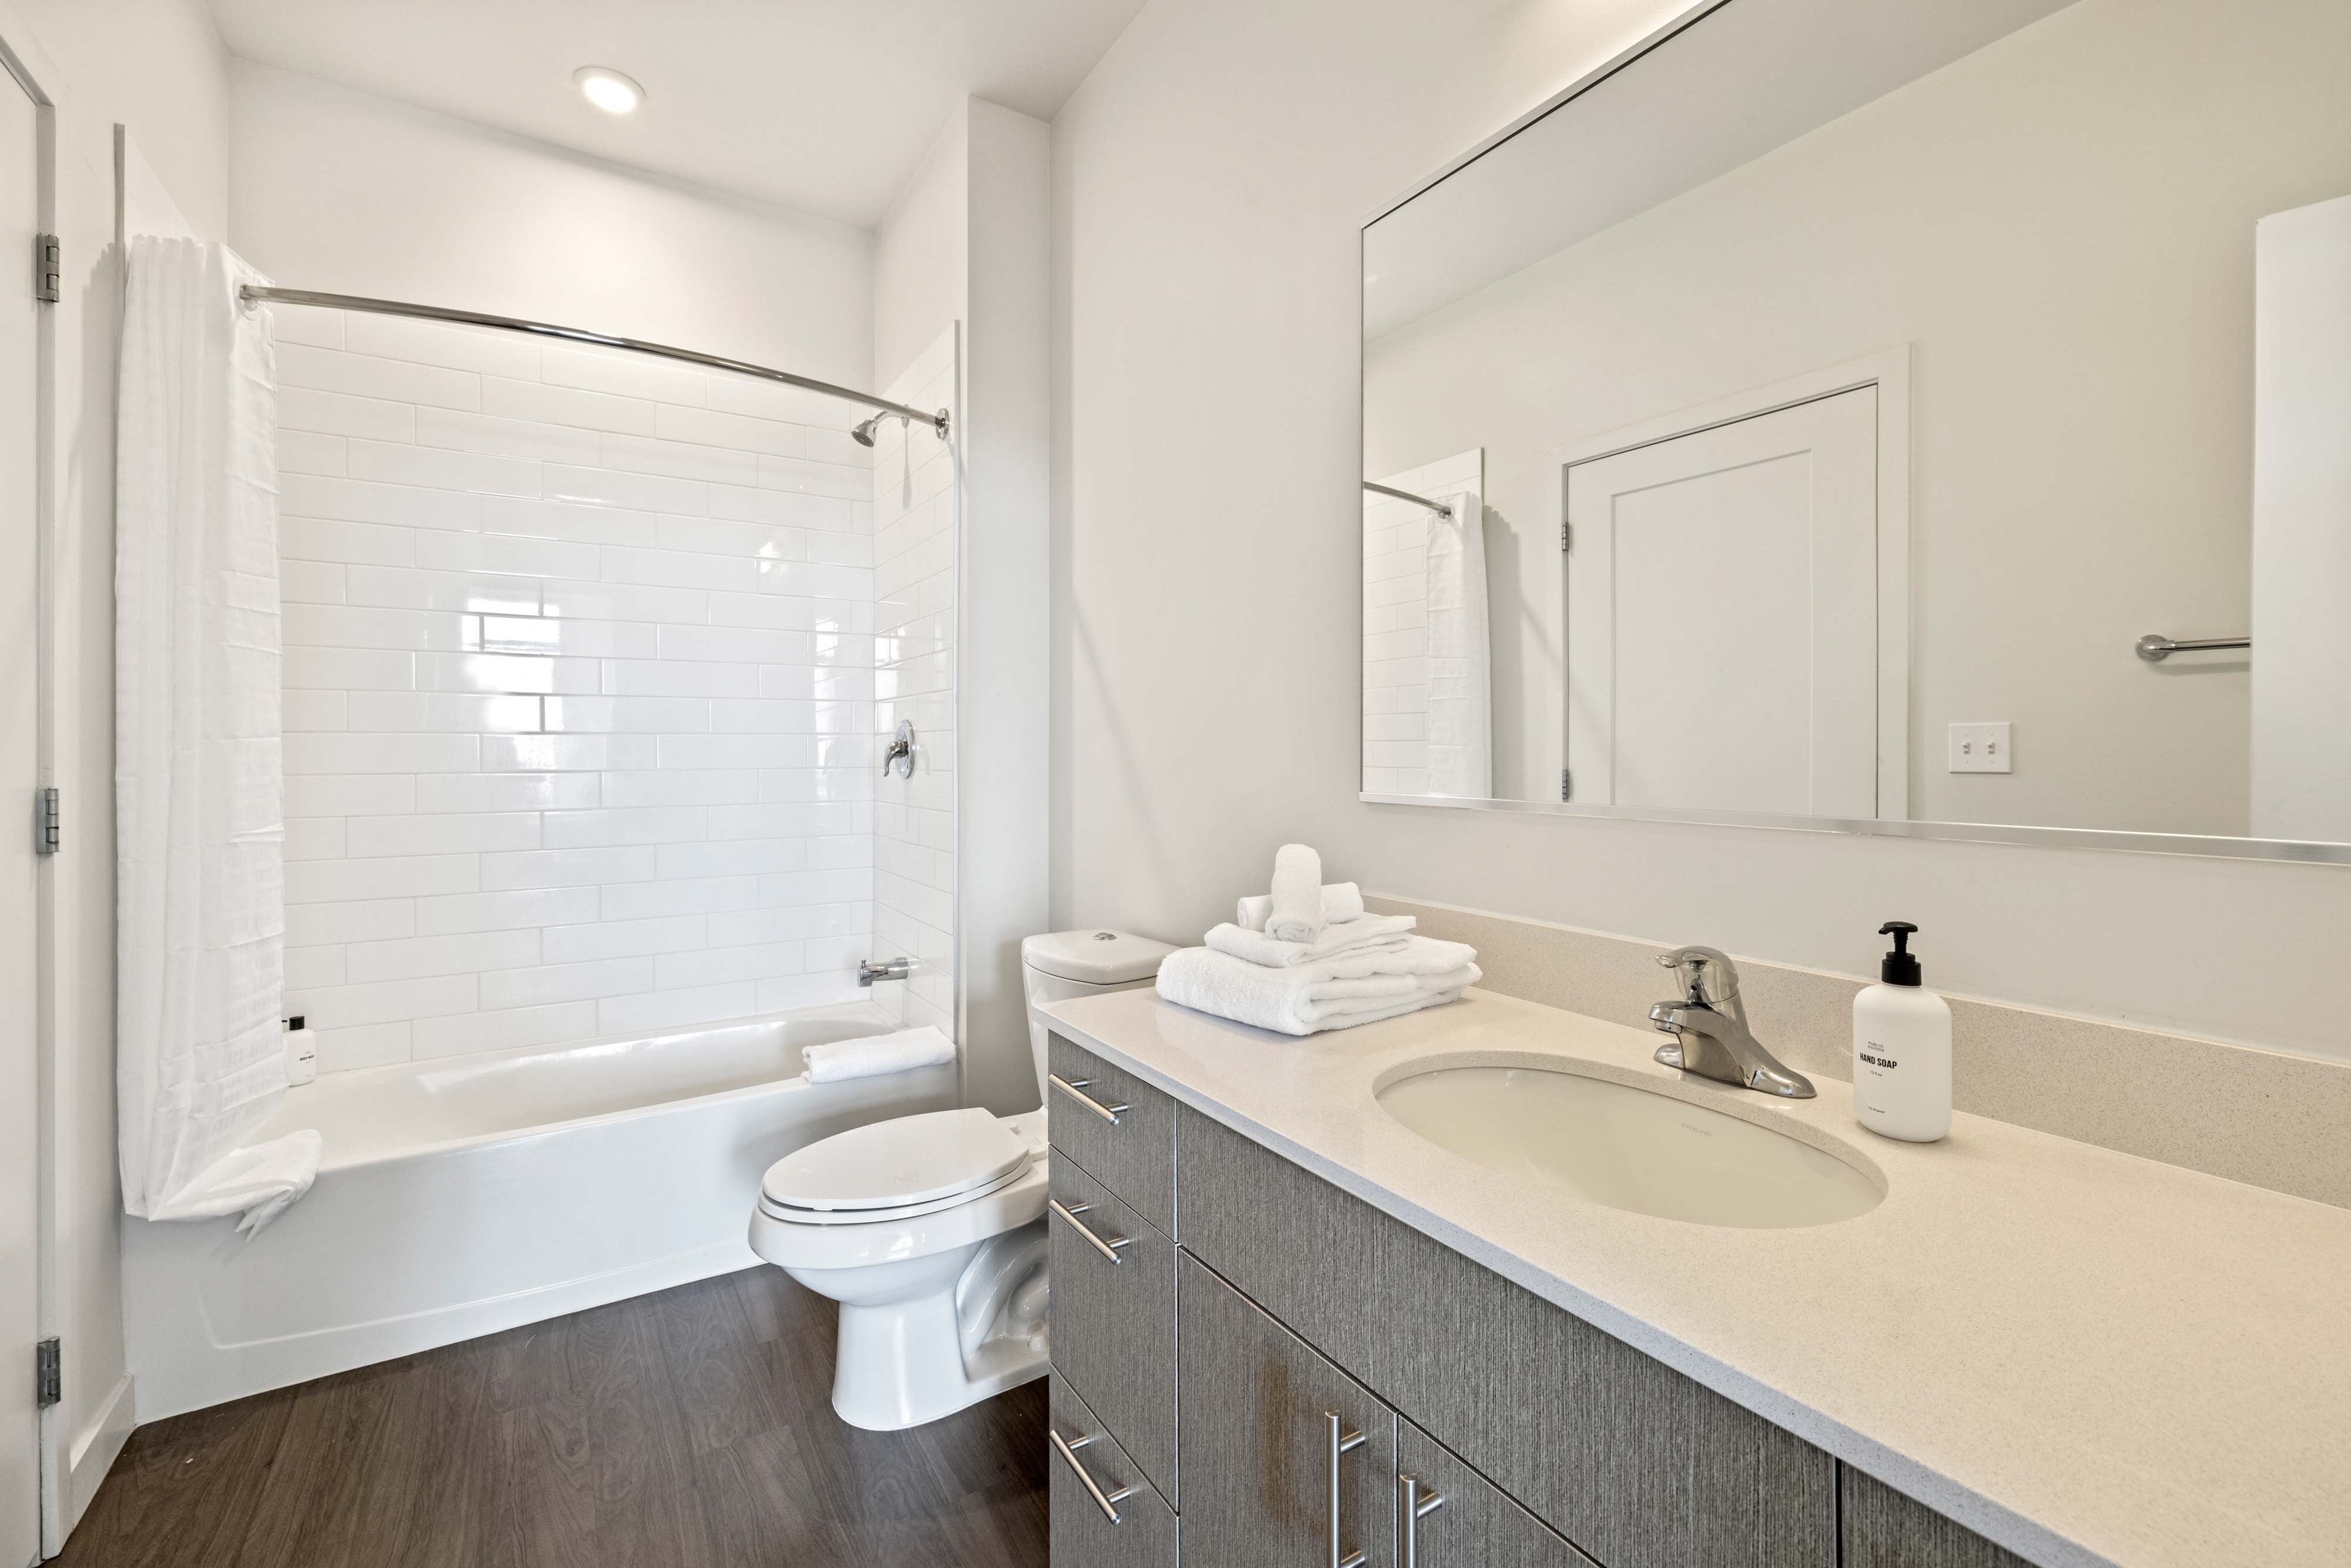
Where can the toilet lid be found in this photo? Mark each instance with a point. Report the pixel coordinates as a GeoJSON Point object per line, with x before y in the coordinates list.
{"type": "Point", "coordinates": [892, 1164]}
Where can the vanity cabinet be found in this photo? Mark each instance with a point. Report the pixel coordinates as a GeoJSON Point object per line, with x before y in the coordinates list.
{"type": "Point", "coordinates": [1207, 1364]}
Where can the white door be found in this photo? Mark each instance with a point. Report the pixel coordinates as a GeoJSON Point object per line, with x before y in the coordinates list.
{"type": "Point", "coordinates": [20, 1537]}
{"type": "Point", "coordinates": [1722, 616]}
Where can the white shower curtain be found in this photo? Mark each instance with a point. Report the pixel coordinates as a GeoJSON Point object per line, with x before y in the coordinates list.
{"type": "Point", "coordinates": [1460, 663]}
{"type": "Point", "coordinates": [199, 788]}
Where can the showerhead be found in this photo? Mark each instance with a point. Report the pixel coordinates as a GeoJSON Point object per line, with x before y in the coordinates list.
{"type": "Point", "coordinates": [863, 433]}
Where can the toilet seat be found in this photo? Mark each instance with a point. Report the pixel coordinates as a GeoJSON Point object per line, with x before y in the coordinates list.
{"type": "Point", "coordinates": [793, 1238]}
{"type": "Point", "coordinates": [910, 1164]}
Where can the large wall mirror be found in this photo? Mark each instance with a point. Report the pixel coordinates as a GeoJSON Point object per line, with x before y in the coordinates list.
{"type": "Point", "coordinates": [1921, 417]}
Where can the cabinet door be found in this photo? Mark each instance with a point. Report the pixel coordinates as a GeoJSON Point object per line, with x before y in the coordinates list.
{"type": "Point", "coordinates": [1105, 1513]}
{"type": "Point", "coordinates": [1463, 1522]}
{"type": "Point", "coordinates": [1256, 1448]}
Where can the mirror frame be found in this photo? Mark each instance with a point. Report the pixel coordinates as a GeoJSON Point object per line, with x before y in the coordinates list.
{"type": "Point", "coordinates": [2206, 845]}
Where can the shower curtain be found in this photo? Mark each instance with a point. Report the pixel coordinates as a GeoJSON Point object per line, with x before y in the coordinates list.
{"type": "Point", "coordinates": [199, 788]}
{"type": "Point", "coordinates": [1460, 661]}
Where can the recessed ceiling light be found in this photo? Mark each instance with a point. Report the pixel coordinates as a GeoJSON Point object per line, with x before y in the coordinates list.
{"type": "Point", "coordinates": [607, 90]}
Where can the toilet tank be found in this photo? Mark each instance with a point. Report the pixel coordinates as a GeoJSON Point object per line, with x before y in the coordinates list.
{"type": "Point", "coordinates": [1065, 964]}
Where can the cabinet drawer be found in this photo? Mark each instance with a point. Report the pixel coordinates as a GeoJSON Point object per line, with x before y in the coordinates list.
{"type": "Point", "coordinates": [1269, 1482]}
{"type": "Point", "coordinates": [1118, 1128]}
{"type": "Point", "coordinates": [1463, 1522]}
{"type": "Point", "coordinates": [1635, 1463]}
{"type": "Point", "coordinates": [1113, 1333]}
{"type": "Point", "coordinates": [1884, 1529]}
{"type": "Point", "coordinates": [1134, 1530]}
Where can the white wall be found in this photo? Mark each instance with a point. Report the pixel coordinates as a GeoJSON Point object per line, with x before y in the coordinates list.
{"type": "Point", "coordinates": [1210, 179]}
{"type": "Point", "coordinates": [967, 241]}
{"type": "Point", "coordinates": [158, 68]}
{"type": "Point", "coordinates": [2059, 357]}
{"type": "Point", "coordinates": [578, 690]}
{"type": "Point", "coordinates": [343, 191]}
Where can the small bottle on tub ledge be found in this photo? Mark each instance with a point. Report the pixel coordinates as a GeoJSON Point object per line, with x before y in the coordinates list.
{"type": "Point", "coordinates": [1902, 1049]}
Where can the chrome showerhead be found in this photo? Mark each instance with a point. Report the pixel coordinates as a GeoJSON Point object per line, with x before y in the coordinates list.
{"type": "Point", "coordinates": [863, 433]}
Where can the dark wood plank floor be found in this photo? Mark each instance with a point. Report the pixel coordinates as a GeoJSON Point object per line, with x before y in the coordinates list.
{"type": "Point", "coordinates": [677, 1430]}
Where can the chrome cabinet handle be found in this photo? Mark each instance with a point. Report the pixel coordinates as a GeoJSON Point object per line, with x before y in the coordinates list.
{"type": "Point", "coordinates": [1075, 1088]}
{"type": "Point", "coordinates": [1108, 1247]}
{"type": "Point", "coordinates": [1107, 1502]}
{"type": "Point", "coordinates": [1417, 1505]}
{"type": "Point", "coordinates": [1341, 1442]}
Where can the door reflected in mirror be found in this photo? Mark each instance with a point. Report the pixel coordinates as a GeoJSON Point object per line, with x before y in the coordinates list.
{"type": "Point", "coordinates": [1833, 386]}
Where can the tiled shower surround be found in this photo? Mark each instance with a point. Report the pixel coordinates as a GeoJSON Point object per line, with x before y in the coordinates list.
{"type": "Point", "coordinates": [579, 691]}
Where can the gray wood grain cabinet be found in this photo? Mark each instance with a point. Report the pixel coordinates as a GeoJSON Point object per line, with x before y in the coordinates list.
{"type": "Point", "coordinates": [1287, 1460]}
{"type": "Point", "coordinates": [1103, 1512]}
{"type": "Point", "coordinates": [1463, 1520]}
{"type": "Point", "coordinates": [1635, 1463]}
{"type": "Point", "coordinates": [1113, 1334]}
{"type": "Point", "coordinates": [1884, 1529]}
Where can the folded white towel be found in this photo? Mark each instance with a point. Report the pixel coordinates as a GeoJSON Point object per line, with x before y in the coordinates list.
{"type": "Point", "coordinates": [876, 1054]}
{"type": "Point", "coordinates": [1341, 901]}
{"type": "Point", "coordinates": [1297, 914]}
{"type": "Point", "coordinates": [1284, 1001]}
{"type": "Point", "coordinates": [1369, 933]}
{"type": "Point", "coordinates": [1389, 955]}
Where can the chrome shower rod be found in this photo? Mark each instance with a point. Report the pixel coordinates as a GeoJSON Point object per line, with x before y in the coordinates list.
{"type": "Point", "coordinates": [1439, 507]}
{"type": "Point", "coordinates": [256, 294]}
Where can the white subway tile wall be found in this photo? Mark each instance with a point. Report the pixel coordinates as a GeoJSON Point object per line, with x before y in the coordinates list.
{"type": "Point", "coordinates": [579, 691]}
{"type": "Point", "coordinates": [1396, 622]}
{"type": "Point", "coordinates": [916, 501]}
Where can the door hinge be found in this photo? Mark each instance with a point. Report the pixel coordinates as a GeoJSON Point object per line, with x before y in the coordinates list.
{"type": "Point", "coordinates": [49, 269]}
{"type": "Point", "coordinates": [1565, 533]}
{"type": "Point", "coordinates": [1566, 785]}
{"type": "Point", "coordinates": [49, 1373]}
{"type": "Point", "coordinates": [44, 822]}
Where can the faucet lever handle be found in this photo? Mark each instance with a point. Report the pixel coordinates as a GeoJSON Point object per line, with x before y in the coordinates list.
{"type": "Point", "coordinates": [1707, 978]}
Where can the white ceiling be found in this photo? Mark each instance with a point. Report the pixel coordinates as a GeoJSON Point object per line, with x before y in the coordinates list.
{"type": "Point", "coordinates": [822, 105]}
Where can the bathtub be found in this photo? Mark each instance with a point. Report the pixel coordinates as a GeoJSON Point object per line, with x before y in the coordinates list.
{"type": "Point", "coordinates": [462, 1197]}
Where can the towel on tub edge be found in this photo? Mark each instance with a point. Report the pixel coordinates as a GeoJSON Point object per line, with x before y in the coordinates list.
{"type": "Point", "coordinates": [901, 1052]}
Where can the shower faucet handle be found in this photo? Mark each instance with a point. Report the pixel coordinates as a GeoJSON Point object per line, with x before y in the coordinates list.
{"type": "Point", "coordinates": [900, 755]}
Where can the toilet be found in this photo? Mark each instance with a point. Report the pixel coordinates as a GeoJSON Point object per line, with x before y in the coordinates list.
{"type": "Point", "coordinates": [929, 1229]}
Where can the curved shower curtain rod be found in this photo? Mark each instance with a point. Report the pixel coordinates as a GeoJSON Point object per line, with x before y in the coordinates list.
{"type": "Point", "coordinates": [1439, 507]}
{"type": "Point", "coordinates": [257, 294]}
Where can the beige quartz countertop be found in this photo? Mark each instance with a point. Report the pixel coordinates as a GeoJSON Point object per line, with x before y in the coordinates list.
{"type": "Point", "coordinates": [2086, 1356]}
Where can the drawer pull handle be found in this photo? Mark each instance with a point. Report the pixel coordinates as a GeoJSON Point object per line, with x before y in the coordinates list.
{"type": "Point", "coordinates": [1067, 1447]}
{"type": "Point", "coordinates": [1341, 1442]}
{"type": "Point", "coordinates": [1075, 1088]}
{"type": "Point", "coordinates": [1108, 1247]}
{"type": "Point", "coordinates": [1417, 1505]}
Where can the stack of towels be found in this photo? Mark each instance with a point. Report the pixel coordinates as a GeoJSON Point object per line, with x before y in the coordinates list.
{"type": "Point", "coordinates": [1307, 957]}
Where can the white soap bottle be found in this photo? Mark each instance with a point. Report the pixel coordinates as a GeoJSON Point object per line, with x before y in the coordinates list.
{"type": "Point", "coordinates": [301, 1053]}
{"type": "Point", "coordinates": [1902, 1049]}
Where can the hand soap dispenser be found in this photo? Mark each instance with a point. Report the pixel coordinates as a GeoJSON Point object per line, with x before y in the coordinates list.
{"type": "Point", "coordinates": [1902, 1049]}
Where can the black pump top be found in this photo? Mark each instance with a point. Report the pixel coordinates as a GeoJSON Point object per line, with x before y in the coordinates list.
{"type": "Point", "coordinates": [1901, 966]}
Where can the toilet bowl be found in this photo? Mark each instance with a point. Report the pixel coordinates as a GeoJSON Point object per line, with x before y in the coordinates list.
{"type": "Point", "coordinates": [929, 1230]}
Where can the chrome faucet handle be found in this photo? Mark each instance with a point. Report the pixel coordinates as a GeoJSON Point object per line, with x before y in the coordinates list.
{"type": "Point", "coordinates": [1709, 978]}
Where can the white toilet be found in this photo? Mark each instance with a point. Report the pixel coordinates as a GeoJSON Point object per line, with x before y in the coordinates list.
{"type": "Point", "coordinates": [929, 1230]}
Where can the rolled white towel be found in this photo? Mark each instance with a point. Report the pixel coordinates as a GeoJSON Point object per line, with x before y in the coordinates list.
{"type": "Point", "coordinates": [1367, 935]}
{"type": "Point", "coordinates": [876, 1054]}
{"type": "Point", "coordinates": [1212, 982]}
{"type": "Point", "coordinates": [1342, 901]}
{"type": "Point", "coordinates": [1297, 914]}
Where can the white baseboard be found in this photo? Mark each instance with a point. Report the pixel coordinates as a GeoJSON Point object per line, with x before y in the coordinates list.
{"type": "Point", "coordinates": [96, 1447]}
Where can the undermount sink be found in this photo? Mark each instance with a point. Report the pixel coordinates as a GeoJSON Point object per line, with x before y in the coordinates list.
{"type": "Point", "coordinates": [1628, 1148]}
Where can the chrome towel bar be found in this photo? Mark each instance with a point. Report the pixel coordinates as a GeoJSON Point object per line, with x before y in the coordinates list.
{"type": "Point", "coordinates": [2155, 647]}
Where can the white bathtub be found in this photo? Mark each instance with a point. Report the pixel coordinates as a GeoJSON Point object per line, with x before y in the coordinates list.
{"type": "Point", "coordinates": [463, 1198]}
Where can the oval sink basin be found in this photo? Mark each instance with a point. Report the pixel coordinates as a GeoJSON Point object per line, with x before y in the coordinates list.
{"type": "Point", "coordinates": [1627, 1148]}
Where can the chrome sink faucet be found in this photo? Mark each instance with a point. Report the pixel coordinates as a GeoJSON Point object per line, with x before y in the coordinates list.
{"type": "Point", "coordinates": [1709, 1023]}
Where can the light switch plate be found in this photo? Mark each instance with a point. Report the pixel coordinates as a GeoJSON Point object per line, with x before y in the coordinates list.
{"type": "Point", "coordinates": [1981, 748]}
